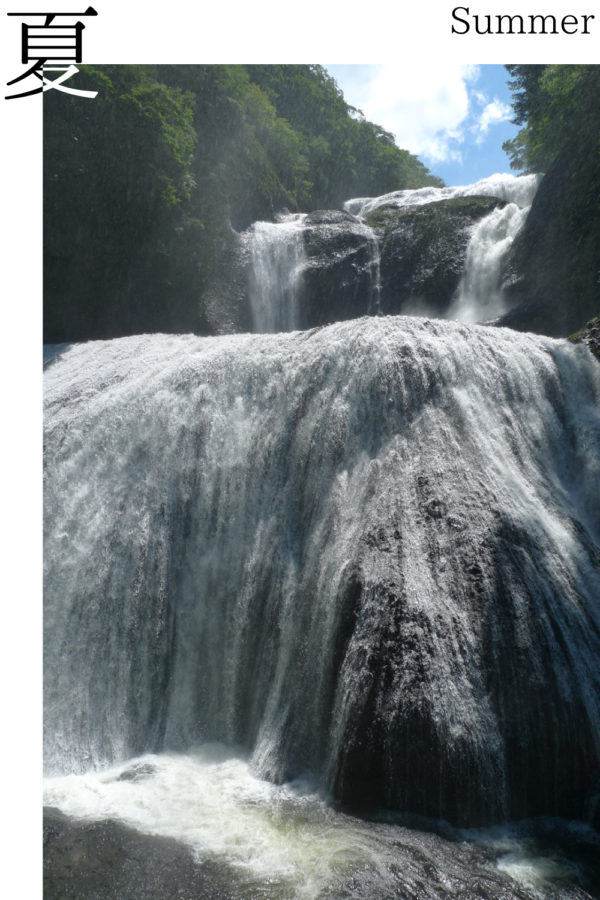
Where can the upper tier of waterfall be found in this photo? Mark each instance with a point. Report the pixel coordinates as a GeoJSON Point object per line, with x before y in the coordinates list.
{"type": "Point", "coordinates": [519, 189]}
{"type": "Point", "coordinates": [317, 268]}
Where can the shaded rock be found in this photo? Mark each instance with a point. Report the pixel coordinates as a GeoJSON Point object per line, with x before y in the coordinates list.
{"type": "Point", "coordinates": [86, 860]}
{"type": "Point", "coordinates": [340, 278]}
{"type": "Point", "coordinates": [423, 252]}
{"type": "Point", "coordinates": [551, 276]}
{"type": "Point", "coordinates": [590, 333]}
{"type": "Point", "coordinates": [226, 306]}
{"type": "Point", "coordinates": [138, 772]}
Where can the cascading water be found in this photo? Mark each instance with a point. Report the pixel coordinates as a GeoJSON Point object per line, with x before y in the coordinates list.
{"type": "Point", "coordinates": [479, 296]}
{"type": "Point", "coordinates": [374, 308]}
{"type": "Point", "coordinates": [511, 188]}
{"type": "Point", "coordinates": [277, 260]}
{"type": "Point", "coordinates": [365, 555]}
{"type": "Point", "coordinates": [279, 263]}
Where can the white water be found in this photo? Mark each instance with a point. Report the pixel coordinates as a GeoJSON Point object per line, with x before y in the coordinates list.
{"type": "Point", "coordinates": [519, 189]}
{"type": "Point", "coordinates": [205, 498]}
{"type": "Point", "coordinates": [206, 502]}
{"type": "Point", "coordinates": [286, 842]}
{"type": "Point", "coordinates": [277, 262]}
{"type": "Point", "coordinates": [479, 296]}
{"type": "Point", "coordinates": [278, 258]}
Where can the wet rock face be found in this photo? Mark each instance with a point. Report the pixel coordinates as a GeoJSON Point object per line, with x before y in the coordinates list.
{"type": "Point", "coordinates": [423, 252]}
{"type": "Point", "coordinates": [108, 861]}
{"type": "Point", "coordinates": [226, 306]}
{"type": "Point", "coordinates": [551, 277]}
{"type": "Point", "coordinates": [407, 260]}
{"type": "Point", "coordinates": [591, 335]}
{"type": "Point", "coordinates": [399, 752]}
{"type": "Point", "coordinates": [339, 278]}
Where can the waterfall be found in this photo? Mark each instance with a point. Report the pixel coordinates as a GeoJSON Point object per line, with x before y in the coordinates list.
{"type": "Point", "coordinates": [310, 269]}
{"type": "Point", "coordinates": [479, 296]}
{"type": "Point", "coordinates": [367, 554]}
{"type": "Point", "coordinates": [519, 189]}
{"type": "Point", "coordinates": [277, 260]}
{"type": "Point", "coordinates": [374, 307]}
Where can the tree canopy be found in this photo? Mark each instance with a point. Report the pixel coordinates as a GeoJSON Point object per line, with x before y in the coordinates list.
{"type": "Point", "coordinates": [555, 104]}
{"type": "Point", "coordinates": [142, 183]}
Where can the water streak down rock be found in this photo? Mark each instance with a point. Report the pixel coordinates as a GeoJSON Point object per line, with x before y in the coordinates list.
{"type": "Point", "coordinates": [432, 251]}
{"type": "Point", "coordinates": [369, 553]}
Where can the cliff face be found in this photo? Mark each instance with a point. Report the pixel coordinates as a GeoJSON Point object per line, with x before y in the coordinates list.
{"type": "Point", "coordinates": [552, 274]}
{"type": "Point", "coordinates": [423, 252]}
{"type": "Point", "coordinates": [398, 260]}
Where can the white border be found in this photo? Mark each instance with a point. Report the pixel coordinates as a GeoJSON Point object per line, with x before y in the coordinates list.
{"type": "Point", "coordinates": [344, 31]}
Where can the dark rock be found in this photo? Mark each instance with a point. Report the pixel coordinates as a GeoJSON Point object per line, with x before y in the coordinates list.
{"type": "Point", "coordinates": [86, 860]}
{"type": "Point", "coordinates": [138, 772]}
{"type": "Point", "coordinates": [423, 252]}
{"type": "Point", "coordinates": [406, 260]}
{"type": "Point", "coordinates": [339, 279]}
{"type": "Point", "coordinates": [395, 752]}
{"type": "Point", "coordinates": [436, 509]}
{"type": "Point", "coordinates": [591, 335]}
{"type": "Point", "coordinates": [551, 275]}
{"type": "Point", "coordinates": [226, 306]}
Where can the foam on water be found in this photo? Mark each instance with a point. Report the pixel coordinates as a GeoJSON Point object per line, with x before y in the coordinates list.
{"type": "Point", "coordinates": [286, 842]}
{"type": "Point", "coordinates": [277, 261]}
{"type": "Point", "coordinates": [519, 189]}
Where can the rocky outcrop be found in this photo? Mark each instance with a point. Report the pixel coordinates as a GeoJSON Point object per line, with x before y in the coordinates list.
{"type": "Point", "coordinates": [225, 303]}
{"type": "Point", "coordinates": [399, 260]}
{"type": "Point", "coordinates": [591, 335]}
{"type": "Point", "coordinates": [423, 252]}
{"type": "Point", "coordinates": [339, 281]}
{"type": "Point", "coordinates": [552, 274]}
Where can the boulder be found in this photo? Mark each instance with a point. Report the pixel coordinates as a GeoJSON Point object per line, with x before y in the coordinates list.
{"type": "Point", "coordinates": [339, 280]}
{"type": "Point", "coordinates": [423, 251]}
{"type": "Point", "coordinates": [86, 860]}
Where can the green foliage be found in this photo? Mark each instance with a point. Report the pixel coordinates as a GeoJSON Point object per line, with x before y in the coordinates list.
{"type": "Point", "coordinates": [590, 333]}
{"type": "Point", "coordinates": [554, 103]}
{"type": "Point", "coordinates": [348, 156]}
{"type": "Point", "coordinates": [142, 183]}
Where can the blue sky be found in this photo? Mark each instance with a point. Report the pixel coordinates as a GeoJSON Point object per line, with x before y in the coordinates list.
{"type": "Point", "coordinates": [454, 117]}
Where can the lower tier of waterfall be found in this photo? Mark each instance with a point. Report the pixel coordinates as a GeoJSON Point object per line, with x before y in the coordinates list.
{"type": "Point", "coordinates": [367, 554]}
{"type": "Point", "coordinates": [252, 839]}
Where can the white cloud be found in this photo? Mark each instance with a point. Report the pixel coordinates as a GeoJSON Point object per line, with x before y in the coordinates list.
{"type": "Point", "coordinates": [431, 110]}
{"type": "Point", "coordinates": [424, 107]}
{"type": "Point", "coordinates": [493, 113]}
